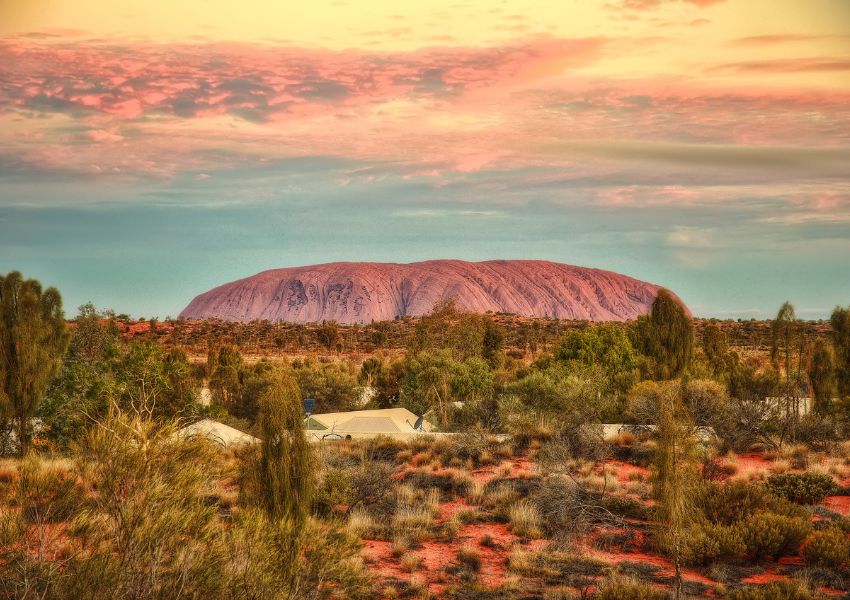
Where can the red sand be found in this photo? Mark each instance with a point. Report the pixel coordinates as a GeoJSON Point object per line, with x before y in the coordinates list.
{"type": "Point", "coordinates": [753, 461]}
{"type": "Point", "coordinates": [840, 504]}
{"type": "Point", "coordinates": [653, 559]}
{"type": "Point", "coordinates": [763, 578]}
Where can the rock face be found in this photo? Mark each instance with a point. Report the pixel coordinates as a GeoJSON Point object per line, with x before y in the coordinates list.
{"type": "Point", "coordinates": [359, 292]}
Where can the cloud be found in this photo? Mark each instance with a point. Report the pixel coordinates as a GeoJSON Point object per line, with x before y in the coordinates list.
{"type": "Point", "coordinates": [646, 5]}
{"type": "Point", "coordinates": [801, 161]}
{"type": "Point", "coordinates": [259, 83]}
{"type": "Point", "coordinates": [783, 38]}
{"type": "Point", "coordinates": [786, 65]}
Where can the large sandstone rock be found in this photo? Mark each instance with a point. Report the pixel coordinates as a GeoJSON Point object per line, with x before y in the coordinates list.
{"type": "Point", "coordinates": [363, 292]}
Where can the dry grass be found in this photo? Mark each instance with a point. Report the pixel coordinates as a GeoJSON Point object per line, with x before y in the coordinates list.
{"type": "Point", "coordinates": [780, 465]}
{"type": "Point", "coordinates": [415, 511]}
{"type": "Point", "coordinates": [475, 492]}
{"type": "Point", "coordinates": [524, 520]}
{"type": "Point", "coordinates": [469, 557]}
{"type": "Point", "coordinates": [361, 523]}
{"type": "Point", "coordinates": [501, 494]}
{"type": "Point", "coordinates": [410, 563]}
{"type": "Point", "coordinates": [407, 518]}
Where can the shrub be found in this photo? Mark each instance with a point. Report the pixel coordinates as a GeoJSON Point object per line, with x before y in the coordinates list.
{"type": "Point", "coordinates": [620, 588]}
{"type": "Point", "coordinates": [829, 548]}
{"type": "Point", "coordinates": [707, 543]}
{"type": "Point", "coordinates": [808, 488]}
{"type": "Point", "coordinates": [769, 535]}
{"type": "Point", "coordinates": [557, 567]}
{"type": "Point", "coordinates": [524, 520]}
{"type": "Point", "coordinates": [778, 590]}
{"type": "Point", "coordinates": [625, 506]}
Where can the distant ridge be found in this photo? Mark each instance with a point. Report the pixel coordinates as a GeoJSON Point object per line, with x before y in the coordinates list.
{"type": "Point", "coordinates": [361, 292]}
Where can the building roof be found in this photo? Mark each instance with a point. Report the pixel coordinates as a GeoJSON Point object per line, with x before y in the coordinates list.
{"type": "Point", "coordinates": [218, 432]}
{"type": "Point", "coordinates": [385, 420]}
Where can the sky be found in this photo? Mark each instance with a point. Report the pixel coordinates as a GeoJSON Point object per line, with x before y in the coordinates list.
{"type": "Point", "coordinates": [152, 150]}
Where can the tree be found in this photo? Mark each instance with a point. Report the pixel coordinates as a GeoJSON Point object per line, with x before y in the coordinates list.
{"type": "Point", "coordinates": [33, 340]}
{"type": "Point", "coordinates": [822, 376]}
{"type": "Point", "coordinates": [285, 474]}
{"type": "Point", "coordinates": [605, 346]}
{"type": "Point", "coordinates": [154, 383]}
{"type": "Point", "coordinates": [666, 336]}
{"type": "Point", "coordinates": [784, 334]}
{"type": "Point", "coordinates": [715, 345]}
{"type": "Point", "coordinates": [492, 343]}
{"type": "Point", "coordinates": [675, 475]}
{"type": "Point", "coordinates": [840, 321]}
{"type": "Point", "coordinates": [226, 376]}
{"type": "Point", "coordinates": [328, 334]}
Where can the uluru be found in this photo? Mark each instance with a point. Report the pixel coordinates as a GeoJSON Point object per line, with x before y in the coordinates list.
{"type": "Point", "coordinates": [362, 292]}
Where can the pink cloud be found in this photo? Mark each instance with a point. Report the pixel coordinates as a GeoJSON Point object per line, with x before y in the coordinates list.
{"type": "Point", "coordinates": [263, 83]}
{"type": "Point", "coordinates": [645, 5]}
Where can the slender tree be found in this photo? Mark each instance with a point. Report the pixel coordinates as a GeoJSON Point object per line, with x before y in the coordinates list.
{"type": "Point", "coordinates": [675, 475]}
{"type": "Point", "coordinates": [822, 376]}
{"type": "Point", "coordinates": [33, 340]}
{"type": "Point", "coordinates": [785, 331]}
{"type": "Point", "coordinates": [715, 345]}
{"type": "Point", "coordinates": [285, 473]}
{"type": "Point", "coordinates": [668, 336]}
{"type": "Point", "coordinates": [840, 321]}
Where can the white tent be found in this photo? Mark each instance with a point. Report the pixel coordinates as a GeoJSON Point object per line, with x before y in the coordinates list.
{"type": "Point", "coordinates": [220, 433]}
{"type": "Point", "coordinates": [395, 422]}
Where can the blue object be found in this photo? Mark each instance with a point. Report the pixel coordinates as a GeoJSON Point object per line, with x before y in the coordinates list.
{"type": "Point", "coordinates": [309, 404]}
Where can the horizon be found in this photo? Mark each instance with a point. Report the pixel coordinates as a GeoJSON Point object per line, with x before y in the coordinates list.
{"type": "Point", "coordinates": [151, 152]}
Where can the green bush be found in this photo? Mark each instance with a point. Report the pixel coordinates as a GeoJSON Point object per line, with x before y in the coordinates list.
{"type": "Point", "coordinates": [778, 590]}
{"type": "Point", "coordinates": [709, 542]}
{"type": "Point", "coordinates": [618, 588]}
{"type": "Point", "coordinates": [807, 488]}
{"type": "Point", "coordinates": [730, 502]}
{"type": "Point", "coordinates": [768, 535]}
{"type": "Point", "coordinates": [829, 548]}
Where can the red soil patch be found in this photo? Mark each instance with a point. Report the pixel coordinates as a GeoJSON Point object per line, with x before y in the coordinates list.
{"type": "Point", "coordinates": [763, 578]}
{"type": "Point", "coordinates": [448, 509]}
{"type": "Point", "coordinates": [753, 461]}
{"type": "Point", "coordinates": [667, 568]}
{"type": "Point", "coordinates": [839, 504]}
{"type": "Point", "coordinates": [625, 470]}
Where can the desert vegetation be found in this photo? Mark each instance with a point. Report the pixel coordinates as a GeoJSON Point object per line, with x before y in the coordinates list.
{"type": "Point", "coordinates": [665, 457]}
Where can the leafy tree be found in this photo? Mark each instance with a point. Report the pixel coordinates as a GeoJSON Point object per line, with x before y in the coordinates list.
{"type": "Point", "coordinates": [33, 340]}
{"type": "Point", "coordinates": [605, 346]}
{"type": "Point", "coordinates": [840, 321]}
{"type": "Point", "coordinates": [558, 395]}
{"type": "Point", "coordinates": [85, 384]}
{"type": "Point", "coordinates": [153, 382]}
{"type": "Point", "coordinates": [370, 370]}
{"type": "Point", "coordinates": [666, 336]}
{"type": "Point", "coordinates": [464, 334]}
{"type": "Point", "coordinates": [427, 383]}
{"type": "Point", "coordinates": [328, 334]}
{"type": "Point", "coordinates": [255, 381]}
{"type": "Point", "coordinates": [333, 385]}
{"type": "Point", "coordinates": [822, 376]}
